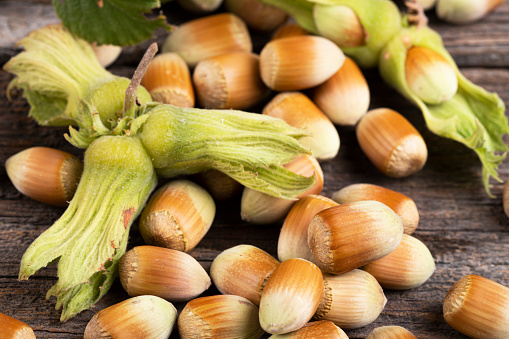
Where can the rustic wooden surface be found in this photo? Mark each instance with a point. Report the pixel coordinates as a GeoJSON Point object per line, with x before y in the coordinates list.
{"type": "Point", "coordinates": [465, 230]}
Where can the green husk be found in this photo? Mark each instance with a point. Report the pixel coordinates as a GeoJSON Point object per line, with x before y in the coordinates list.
{"type": "Point", "coordinates": [127, 141]}
{"type": "Point", "coordinates": [52, 80]}
{"type": "Point", "coordinates": [85, 295]}
{"type": "Point", "coordinates": [120, 172]}
{"type": "Point", "coordinates": [473, 117]}
{"type": "Point", "coordinates": [91, 235]}
{"type": "Point", "coordinates": [380, 19]}
{"type": "Point", "coordinates": [57, 71]}
{"type": "Point", "coordinates": [250, 148]}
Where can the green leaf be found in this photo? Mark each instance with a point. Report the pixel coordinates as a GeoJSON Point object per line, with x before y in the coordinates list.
{"type": "Point", "coordinates": [300, 10]}
{"type": "Point", "coordinates": [473, 117]}
{"type": "Point", "coordinates": [115, 22]}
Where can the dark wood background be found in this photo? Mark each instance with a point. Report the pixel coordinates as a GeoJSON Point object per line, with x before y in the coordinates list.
{"type": "Point", "coordinates": [465, 230]}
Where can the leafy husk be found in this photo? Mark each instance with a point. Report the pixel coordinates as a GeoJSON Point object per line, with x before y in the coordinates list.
{"type": "Point", "coordinates": [251, 148]}
{"type": "Point", "coordinates": [65, 85]}
{"type": "Point", "coordinates": [91, 235]}
{"type": "Point", "coordinates": [473, 117]}
{"type": "Point", "coordinates": [380, 19]}
{"type": "Point", "coordinates": [54, 71]}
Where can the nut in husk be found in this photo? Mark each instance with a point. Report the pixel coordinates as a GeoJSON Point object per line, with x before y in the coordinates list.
{"type": "Point", "coordinates": [430, 76]}
{"type": "Point", "coordinates": [473, 116]}
{"type": "Point", "coordinates": [340, 24]}
{"type": "Point", "coordinates": [465, 11]}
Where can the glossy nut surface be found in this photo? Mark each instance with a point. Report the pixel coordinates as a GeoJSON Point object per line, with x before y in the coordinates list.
{"type": "Point", "coordinates": [392, 144]}
{"type": "Point", "coordinates": [410, 265]}
{"type": "Point", "coordinates": [291, 296]}
{"type": "Point", "coordinates": [403, 205]}
{"type": "Point", "coordinates": [243, 270]}
{"type": "Point", "coordinates": [299, 62]}
{"type": "Point", "coordinates": [166, 273]}
{"type": "Point", "coordinates": [177, 216]}
{"type": "Point", "coordinates": [478, 307]}
{"type": "Point", "coordinates": [352, 235]}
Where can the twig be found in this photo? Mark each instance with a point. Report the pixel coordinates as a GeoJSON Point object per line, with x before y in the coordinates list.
{"type": "Point", "coordinates": [416, 14]}
{"type": "Point", "coordinates": [131, 94]}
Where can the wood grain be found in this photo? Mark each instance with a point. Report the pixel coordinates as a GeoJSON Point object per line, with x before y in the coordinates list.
{"type": "Point", "coordinates": [465, 230]}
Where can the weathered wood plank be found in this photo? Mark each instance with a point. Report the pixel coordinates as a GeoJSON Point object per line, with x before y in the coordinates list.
{"type": "Point", "coordinates": [465, 230]}
{"type": "Point", "coordinates": [461, 225]}
{"type": "Point", "coordinates": [484, 43]}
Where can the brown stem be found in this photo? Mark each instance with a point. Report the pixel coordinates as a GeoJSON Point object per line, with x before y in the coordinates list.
{"type": "Point", "coordinates": [416, 14]}
{"type": "Point", "coordinates": [131, 94]}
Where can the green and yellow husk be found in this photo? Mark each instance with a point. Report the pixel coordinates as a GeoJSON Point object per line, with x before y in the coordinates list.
{"type": "Point", "coordinates": [128, 142]}
{"type": "Point", "coordinates": [250, 148]}
{"type": "Point", "coordinates": [473, 117]}
{"type": "Point", "coordinates": [60, 73]}
{"type": "Point", "coordinates": [91, 235]}
{"type": "Point", "coordinates": [120, 172]}
{"type": "Point", "coordinates": [380, 20]}
{"type": "Point", "coordinates": [83, 296]}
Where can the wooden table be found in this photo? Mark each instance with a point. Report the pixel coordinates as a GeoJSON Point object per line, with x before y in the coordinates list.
{"type": "Point", "coordinates": [465, 230]}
